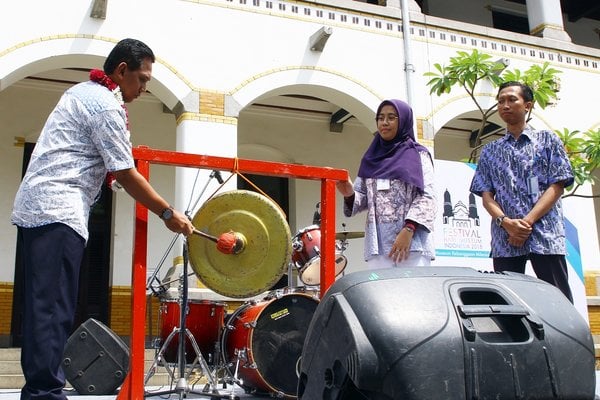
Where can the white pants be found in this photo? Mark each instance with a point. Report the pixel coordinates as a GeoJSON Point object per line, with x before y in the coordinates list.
{"type": "Point", "coordinates": [415, 259]}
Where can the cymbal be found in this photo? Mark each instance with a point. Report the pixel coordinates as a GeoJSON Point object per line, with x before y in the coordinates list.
{"type": "Point", "coordinates": [349, 235]}
{"type": "Point", "coordinates": [266, 252]}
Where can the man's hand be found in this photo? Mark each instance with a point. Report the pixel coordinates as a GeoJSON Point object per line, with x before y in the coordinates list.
{"type": "Point", "coordinates": [518, 231]}
{"type": "Point", "coordinates": [179, 223]}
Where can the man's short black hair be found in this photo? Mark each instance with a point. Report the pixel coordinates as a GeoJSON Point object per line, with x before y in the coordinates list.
{"type": "Point", "coordinates": [131, 51]}
{"type": "Point", "coordinates": [526, 90]}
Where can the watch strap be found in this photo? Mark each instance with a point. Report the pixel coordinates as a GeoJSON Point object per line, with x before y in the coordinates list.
{"type": "Point", "coordinates": [166, 213]}
{"type": "Point", "coordinates": [500, 219]}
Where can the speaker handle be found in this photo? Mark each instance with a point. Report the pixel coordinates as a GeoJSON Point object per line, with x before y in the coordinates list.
{"type": "Point", "coordinates": [498, 310]}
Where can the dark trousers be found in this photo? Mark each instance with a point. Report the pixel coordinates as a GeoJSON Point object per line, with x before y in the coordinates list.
{"type": "Point", "coordinates": [551, 268]}
{"type": "Point", "coordinates": [52, 257]}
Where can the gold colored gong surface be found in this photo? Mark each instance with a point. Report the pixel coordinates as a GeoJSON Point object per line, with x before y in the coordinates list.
{"type": "Point", "coordinates": [264, 258]}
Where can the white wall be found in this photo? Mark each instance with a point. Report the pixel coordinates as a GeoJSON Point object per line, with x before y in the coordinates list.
{"type": "Point", "coordinates": [246, 51]}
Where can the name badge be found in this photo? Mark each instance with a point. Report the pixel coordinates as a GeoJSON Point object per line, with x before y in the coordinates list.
{"type": "Point", "coordinates": [533, 188]}
{"type": "Point", "coordinates": [383, 184]}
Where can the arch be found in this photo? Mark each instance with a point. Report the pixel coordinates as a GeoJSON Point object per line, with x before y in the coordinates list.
{"type": "Point", "coordinates": [453, 107]}
{"type": "Point", "coordinates": [263, 152]}
{"type": "Point", "coordinates": [459, 105]}
{"type": "Point", "coordinates": [355, 97]}
{"type": "Point", "coordinates": [48, 53]}
{"type": "Point", "coordinates": [454, 119]}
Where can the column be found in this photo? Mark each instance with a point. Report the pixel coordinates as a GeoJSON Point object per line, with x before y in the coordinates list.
{"type": "Point", "coordinates": [207, 132]}
{"type": "Point", "coordinates": [412, 5]}
{"type": "Point", "coordinates": [546, 20]}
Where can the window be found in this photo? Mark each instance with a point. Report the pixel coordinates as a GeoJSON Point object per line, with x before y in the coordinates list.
{"type": "Point", "coordinates": [510, 22]}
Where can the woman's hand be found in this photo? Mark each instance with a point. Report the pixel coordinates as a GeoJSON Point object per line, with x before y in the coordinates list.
{"type": "Point", "coordinates": [346, 188]}
{"type": "Point", "coordinates": [401, 247]}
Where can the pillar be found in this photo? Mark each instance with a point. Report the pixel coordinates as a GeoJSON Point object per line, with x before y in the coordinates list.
{"type": "Point", "coordinates": [546, 20]}
{"type": "Point", "coordinates": [205, 130]}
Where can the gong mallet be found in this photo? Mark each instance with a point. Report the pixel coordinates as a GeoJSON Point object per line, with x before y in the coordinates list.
{"type": "Point", "coordinates": [229, 243]}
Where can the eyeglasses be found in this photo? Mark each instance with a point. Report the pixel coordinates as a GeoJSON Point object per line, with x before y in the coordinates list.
{"type": "Point", "coordinates": [389, 118]}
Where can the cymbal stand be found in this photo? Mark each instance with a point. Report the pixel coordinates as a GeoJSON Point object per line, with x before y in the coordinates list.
{"type": "Point", "coordinates": [154, 278]}
{"type": "Point", "coordinates": [182, 388]}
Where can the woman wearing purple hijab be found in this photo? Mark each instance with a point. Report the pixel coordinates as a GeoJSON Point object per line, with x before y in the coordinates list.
{"type": "Point", "coordinates": [395, 187]}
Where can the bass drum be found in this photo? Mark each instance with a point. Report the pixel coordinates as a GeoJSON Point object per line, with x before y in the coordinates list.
{"type": "Point", "coordinates": [263, 341]}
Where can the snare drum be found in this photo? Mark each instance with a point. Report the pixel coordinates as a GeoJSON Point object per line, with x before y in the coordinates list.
{"type": "Point", "coordinates": [263, 341]}
{"type": "Point", "coordinates": [306, 255]}
{"type": "Point", "coordinates": [204, 319]}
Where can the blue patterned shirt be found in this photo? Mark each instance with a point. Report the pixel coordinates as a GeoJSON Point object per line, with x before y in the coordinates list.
{"type": "Point", "coordinates": [84, 137]}
{"type": "Point", "coordinates": [387, 210]}
{"type": "Point", "coordinates": [504, 167]}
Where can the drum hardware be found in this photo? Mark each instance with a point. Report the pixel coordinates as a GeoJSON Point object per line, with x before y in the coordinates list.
{"type": "Point", "coordinates": [290, 275]}
{"type": "Point", "coordinates": [240, 355]}
{"type": "Point", "coordinates": [205, 319]}
{"type": "Point", "coordinates": [182, 387]}
{"type": "Point", "coordinates": [154, 278]}
{"type": "Point", "coordinates": [317, 215]}
{"type": "Point", "coordinates": [167, 283]}
{"type": "Point", "coordinates": [246, 271]}
{"type": "Point", "coordinates": [184, 335]}
{"type": "Point", "coordinates": [344, 235]}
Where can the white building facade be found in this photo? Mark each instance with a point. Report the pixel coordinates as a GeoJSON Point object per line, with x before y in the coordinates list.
{"type": "Point", "coordinates": [262, 79]}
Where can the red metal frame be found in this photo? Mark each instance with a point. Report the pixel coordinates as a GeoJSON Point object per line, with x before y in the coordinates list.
{"type": "Point", "coordinates": [133, 386]}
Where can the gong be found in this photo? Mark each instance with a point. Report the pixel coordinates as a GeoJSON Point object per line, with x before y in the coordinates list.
{"type": "Point", "coordinates": [266, 237]}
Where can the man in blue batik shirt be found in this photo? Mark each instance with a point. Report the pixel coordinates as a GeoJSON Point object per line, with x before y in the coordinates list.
{"type": "Point", "coordinates": [521, 178]}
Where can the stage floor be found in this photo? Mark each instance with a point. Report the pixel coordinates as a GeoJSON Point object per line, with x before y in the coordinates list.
{"type": "Point", "coordinates": [238, 393]}
{"type": "Point", "coordinates": [12, 394]}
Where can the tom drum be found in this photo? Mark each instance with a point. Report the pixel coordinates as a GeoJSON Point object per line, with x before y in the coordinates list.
{"type": "Point", "coordinates": [306, 255]}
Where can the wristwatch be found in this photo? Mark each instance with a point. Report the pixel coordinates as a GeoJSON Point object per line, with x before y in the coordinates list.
{"type": "Point", "coordinates": [166, 214]}
{"type": "Point", "coordinates": [500, 219]}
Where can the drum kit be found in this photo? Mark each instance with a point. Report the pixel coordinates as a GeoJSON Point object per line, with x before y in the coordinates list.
{"type": "Point", "coordinates": [258, 346]}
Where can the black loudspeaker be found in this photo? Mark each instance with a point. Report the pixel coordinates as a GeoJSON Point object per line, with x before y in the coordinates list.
{"type": "Point", "coordinates": [95, 359]}
{"type": "Point", "coordinates": [446, 333]}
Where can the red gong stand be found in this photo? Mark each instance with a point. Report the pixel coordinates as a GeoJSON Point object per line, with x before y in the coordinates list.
{"type": "Point", "coordinates": [133, 386]}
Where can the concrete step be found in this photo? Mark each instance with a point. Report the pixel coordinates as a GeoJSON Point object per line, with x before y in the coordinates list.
{"type": "Point", "coordinates": [11, 376]}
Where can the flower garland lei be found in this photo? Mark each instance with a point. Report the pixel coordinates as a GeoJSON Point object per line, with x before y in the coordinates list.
{"type": "Point", "coordinates": [101, 78]}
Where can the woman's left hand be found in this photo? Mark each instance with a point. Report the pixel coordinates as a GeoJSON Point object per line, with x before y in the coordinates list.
{"type": "Point", "coordinates": [401, 247]}
{"type": "Point", "coordinates": [345, 188]}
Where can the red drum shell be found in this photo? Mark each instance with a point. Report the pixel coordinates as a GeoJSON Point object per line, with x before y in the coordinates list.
{"type": "Point", "coordinates": [309, 242]}
{"type": "Point", "coordinates": [307, 256]}
{"type": "Point", "coordinates": [205, 320]}
{"type": "Point", "coordinates": [271, 333]}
